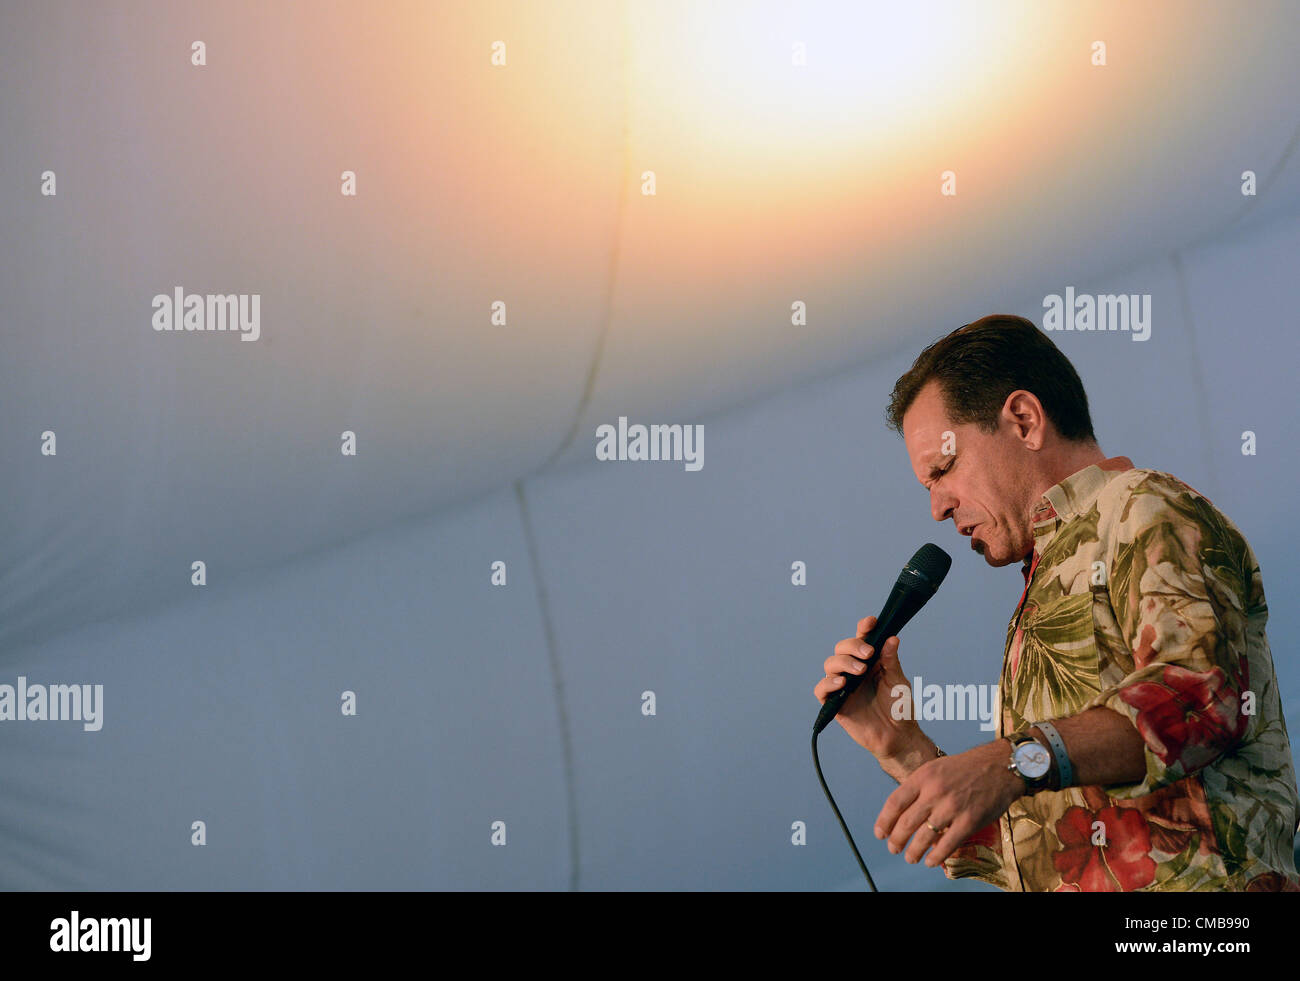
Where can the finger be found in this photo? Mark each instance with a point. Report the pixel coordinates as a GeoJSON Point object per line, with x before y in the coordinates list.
{"type": "Point", "coordinates": [843, 664]}
{"type": "Point", "coordinates": [865, 624]}
{"type": "Point", "coordinates": [960, 829]}
{"type": "Point", "coordinates": [925, 836]}
{"type": "Point", "coordinates": [912, 819]}
{"type": "Point", "coordinates": [897, 802]}
{"type": "Point", "coordinates": [830, 684]}
{"type": "Point", "coordinates": [827, 686]}
{"type": "Point", "coordinates": [854, 647]}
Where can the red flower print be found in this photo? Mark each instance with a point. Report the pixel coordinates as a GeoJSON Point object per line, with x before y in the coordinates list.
{"type": "Point", "coordinates": [986, 836]}
{"type": "Point", "coordinates": [1191, 717]}
{"type": "Point", "coordinates": [1120, 865]}
{"type": "Point", "coordinates": [1272, 882]}
{"type": "Point", "coordinates": [1017, 642]}
{"type": "Point", "coordinates": [1175, 814]}
{"type": "Point", "coordinates": [1142, 655]}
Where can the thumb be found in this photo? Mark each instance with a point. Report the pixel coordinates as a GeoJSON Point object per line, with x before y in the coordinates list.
{"type": "Point", "coordinates": [889, 662]}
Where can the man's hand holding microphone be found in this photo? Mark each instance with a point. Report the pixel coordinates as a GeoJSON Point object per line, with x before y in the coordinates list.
{"type": "Point", "coordinates": [878, 715]}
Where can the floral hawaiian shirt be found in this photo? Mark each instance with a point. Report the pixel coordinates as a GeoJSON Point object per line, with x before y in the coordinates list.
{"type": "Point", "coordinates": [1143, 597]}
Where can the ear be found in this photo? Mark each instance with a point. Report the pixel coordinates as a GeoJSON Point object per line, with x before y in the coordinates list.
{"type": "Point", "coordinates": [1025, 414]}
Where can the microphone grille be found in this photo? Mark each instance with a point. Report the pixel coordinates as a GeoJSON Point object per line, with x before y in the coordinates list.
{"type": "Point", "coordinates": [932, 562]}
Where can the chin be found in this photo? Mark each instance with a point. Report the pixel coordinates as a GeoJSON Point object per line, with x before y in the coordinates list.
{"type": "Point", "coordinates": [992, 558]}
{"type": "Point", "coordinates": [997, 563]}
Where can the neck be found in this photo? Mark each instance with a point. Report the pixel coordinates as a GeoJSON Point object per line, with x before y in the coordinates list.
{"type": "Point", "coordinates": [1072, 458]}
{"type": "Point", "coordinates": [1069, 459]}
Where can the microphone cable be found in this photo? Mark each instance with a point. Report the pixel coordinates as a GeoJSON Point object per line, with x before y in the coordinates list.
{"type": "Point", "coordinates": [861, 864]}
{"type": "Point", "coordinates": [918, 581]}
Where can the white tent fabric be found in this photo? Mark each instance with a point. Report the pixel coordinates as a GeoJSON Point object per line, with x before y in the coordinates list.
{"type": "Point", "coordinates": [522, 703]}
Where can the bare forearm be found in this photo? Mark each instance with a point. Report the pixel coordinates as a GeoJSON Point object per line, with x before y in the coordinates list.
{"type": "Point", "coordinates": [1103, 746]}
{"type": "Point", "coordinates": [906, 761]}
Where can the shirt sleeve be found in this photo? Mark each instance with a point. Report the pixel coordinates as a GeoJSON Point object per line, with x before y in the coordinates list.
{"type": "Point", "coordinates": [979, 857]}
{"type": "Point", "coordinates": [1176, 588]}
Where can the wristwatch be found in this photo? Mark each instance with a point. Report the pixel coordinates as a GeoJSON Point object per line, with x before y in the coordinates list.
{"type": "Point", "coordinates": [1030, 760]}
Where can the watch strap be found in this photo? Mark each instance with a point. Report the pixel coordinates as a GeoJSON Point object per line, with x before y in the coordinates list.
{"type": "Point", "coordinates": [1064, 768]}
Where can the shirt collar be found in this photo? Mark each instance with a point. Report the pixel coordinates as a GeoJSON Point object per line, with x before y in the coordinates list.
{"type": "Point", "coordinates": [1073, 496]}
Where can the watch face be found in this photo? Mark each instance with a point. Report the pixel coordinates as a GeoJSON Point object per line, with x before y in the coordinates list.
{"type": "Point", "coordinates": [1033, 760]}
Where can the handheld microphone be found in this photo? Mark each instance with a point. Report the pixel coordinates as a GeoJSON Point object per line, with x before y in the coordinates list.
{"type": "Point", "coordinates": [917, 582]}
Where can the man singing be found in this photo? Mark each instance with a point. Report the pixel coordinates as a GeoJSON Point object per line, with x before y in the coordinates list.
{"type": "Point", "coordinates": [1141, 743]}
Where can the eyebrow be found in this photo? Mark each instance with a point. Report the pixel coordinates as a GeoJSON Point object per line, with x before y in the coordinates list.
{"type": "Point", "coordinates": [935, 467]}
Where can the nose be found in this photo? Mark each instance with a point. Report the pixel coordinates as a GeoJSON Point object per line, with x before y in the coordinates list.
{"type": "Point", "coordinates": [941, 504]}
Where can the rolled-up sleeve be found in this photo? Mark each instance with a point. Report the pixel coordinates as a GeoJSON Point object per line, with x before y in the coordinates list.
{"type": "Point", "coordinates": [1177, 593]}
{"type": "Point", "coordinates": [979, 857]}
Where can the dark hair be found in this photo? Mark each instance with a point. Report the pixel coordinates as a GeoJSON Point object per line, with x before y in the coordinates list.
{"type": "Point", "coordinates": [978, 365]}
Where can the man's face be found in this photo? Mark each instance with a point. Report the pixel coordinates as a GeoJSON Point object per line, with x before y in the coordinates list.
{"type": "Point", "coordinates": [980, 480]}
